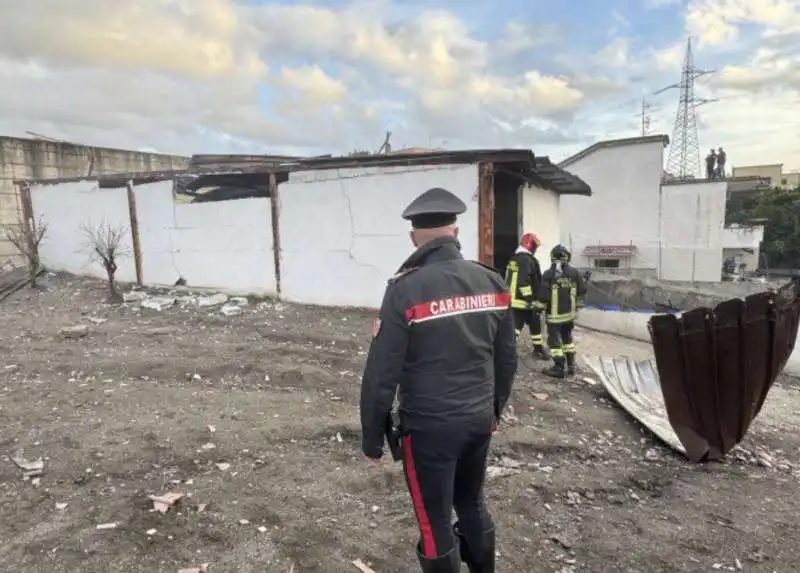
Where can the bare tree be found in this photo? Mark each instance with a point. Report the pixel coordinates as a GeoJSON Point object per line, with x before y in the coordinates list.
{"type": "Point", "coordinates": [27, 239]}
{"type": "Point", "coordinates": [106, 245]}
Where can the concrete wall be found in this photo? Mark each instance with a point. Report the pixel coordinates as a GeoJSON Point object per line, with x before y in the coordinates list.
{"type": "Point", "coordinates": [540, 215]}
{"type": "Point", "coordinates": [40, 159]}
{"type": "Point", "coordinates": [742, 237]}
{"type": "Point", "coordinates": [225, 245]}
{"type": "Point", "coordinates": [342, 235]}
{"type": "Point", "coordinates": [65, 207]}
{"type": "Point", "coordinates": [634, 325]}
{"type": "Point", "coordinates": [692, 221]}
{"type": "Point", "coordinates": [623, 208]}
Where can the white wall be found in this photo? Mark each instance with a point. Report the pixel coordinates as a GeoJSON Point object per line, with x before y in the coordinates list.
{"type": "Point", "coordinates": [540, 215]}
{"type": "Point", "coordinates": [65, 207]}
{"type": "Point", "coordinates": [341, 232]}
{"type": "Point", "coordinates": [742, 237]}
{"type": "Point", "coordinates": [623, 208]}
{"type": "Point", "coordinates": [693, 218]}
{"type": "Point", "coordinates": [226, 245]}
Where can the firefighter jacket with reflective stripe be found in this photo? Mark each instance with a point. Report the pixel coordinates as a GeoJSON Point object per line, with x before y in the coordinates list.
{"type": "Point", "coordinates": [445, 339]}
{"type": "Point", "coordinates": [523, 276]}
{"type": "Point", "coordinates": [562, 286]}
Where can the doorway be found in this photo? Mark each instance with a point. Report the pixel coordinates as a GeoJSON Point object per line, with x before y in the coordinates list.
{"type": "Point", "coordinates": [507, 218]}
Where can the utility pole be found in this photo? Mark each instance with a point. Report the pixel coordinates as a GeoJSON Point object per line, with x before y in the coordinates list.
{"type": "Point", "coordinates": [645, 114]}
{"type": "Point", "coordinates": [684, 152]}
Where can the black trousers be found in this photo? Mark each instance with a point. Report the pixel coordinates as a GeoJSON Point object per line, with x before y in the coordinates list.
{"type": "Point", "coordinates": [559, 339]}
{"type": "Point", "coordinates": [444, 470]}
{"type": "Point", "coordinates": [532, 319]}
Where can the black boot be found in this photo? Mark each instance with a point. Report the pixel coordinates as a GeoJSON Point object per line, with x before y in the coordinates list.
{"type": "Point", "coordinates": [540, 353]}
{"type": "Point", "coordinates": [570, 363]}
{"type": "Point", "coordinates": [484, 564]}
{"type": "Point", "coordinates": [448, 563]}
{"type": "Point", "coordinates": [557, 369]}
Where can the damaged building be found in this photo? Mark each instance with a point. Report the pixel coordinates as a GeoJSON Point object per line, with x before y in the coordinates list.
{"type": "Point", "coordinates": [267, 225]}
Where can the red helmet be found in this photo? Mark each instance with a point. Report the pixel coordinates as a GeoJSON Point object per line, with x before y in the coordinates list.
{"type": "Point", "coordinates": [530, 241]}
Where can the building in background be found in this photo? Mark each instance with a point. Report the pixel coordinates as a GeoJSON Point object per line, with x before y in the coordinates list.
{"type": "Point", "coordinates": [640, 223]}
{"type": "Point", "coordinates": [775, 173]}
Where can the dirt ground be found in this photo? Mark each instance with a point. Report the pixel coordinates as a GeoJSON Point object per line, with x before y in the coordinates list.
{"type": "Point", "coordinates": [156, 401]}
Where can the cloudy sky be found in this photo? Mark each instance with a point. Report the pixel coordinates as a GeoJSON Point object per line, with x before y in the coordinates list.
{"type": "Point", "coordinates": [199, 76]}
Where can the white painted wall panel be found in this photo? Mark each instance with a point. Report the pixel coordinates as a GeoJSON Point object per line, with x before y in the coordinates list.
{"type": "Point", "coordinates": [623, 208]}
{"type": "Point", "coordinates": [540, 215]}
{"type": "Point", "coordinates": [692, 223]}
{"type": "Point", "coordinates": [67, 206]}
{"type": "Point", "coordinates": [341, 232]}
{"type": "Point", "coordinates": [225, 245]}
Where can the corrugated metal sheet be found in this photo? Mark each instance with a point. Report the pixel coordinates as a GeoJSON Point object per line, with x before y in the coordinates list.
{"type": "Point", "coordinates": [717, 365]}
{"type": "Point", "coordinates": [634, 385]}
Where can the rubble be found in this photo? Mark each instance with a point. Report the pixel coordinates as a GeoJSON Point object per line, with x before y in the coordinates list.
{"type": "Point", "coordinates": [162, 503]}
{"type": "Point", "coordinates": [30, 469]}
{"type": "Point", "coordinates": [73, 332]}
{"type": "Point", "coordinates": [158, 303]}
{"type": "Point", "coordinates": [280, 384]}
{"type": "Point", "coordinates": [213, 300]}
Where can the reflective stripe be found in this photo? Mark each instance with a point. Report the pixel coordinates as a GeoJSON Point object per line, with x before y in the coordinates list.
{"type": "Point", "coordinates": [526, 291]}
{"type": "Point", "coordinates": [556, 352]}
{"type": "Point", "coordinates": [561, 318]}
{"type": "Point", "coordinates": [513, 272]}
{"type": "Point", "coordinates": [537, 338]}
{"type": "Point", "coordinates": [519, 303]}
{"type": "Point", "coordinates": [569, 348]}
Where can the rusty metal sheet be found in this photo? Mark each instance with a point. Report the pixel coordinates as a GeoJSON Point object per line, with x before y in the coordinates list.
{"type": "Point", "coordinates": [634, 385]}
{"type": "Point", "coordinates": [717, 365]}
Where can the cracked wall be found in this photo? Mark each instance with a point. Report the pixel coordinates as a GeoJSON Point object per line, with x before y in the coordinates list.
{"type": "Point", "coordinates": [341, 232]}
{"type": "Point", "coordinates": [64, 207]}
{"type": "Point", "coordinates": [224, 245]}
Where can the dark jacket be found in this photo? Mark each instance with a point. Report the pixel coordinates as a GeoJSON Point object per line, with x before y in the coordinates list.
{"type": "Point", "coordinates": [560, 292]}
{"type": "Point", "coordinates": [446, 338]}
{"type": "Point", "coordinates": [523, 276]}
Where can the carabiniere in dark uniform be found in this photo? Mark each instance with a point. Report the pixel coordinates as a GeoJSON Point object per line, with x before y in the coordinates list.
{"type": "Point", "coordinates": [446, 338]}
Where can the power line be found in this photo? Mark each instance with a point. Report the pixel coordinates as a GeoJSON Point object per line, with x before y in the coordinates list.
{"type": "Point", "coordinates": [684, 152]}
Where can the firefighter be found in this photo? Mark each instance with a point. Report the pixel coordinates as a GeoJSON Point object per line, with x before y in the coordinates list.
{"type": "Point", "coordinates": [445, 337]}
{"type": "Point", "coordinates": [562, 291]}
{"type": "Point", "coordinates": [523, 276]}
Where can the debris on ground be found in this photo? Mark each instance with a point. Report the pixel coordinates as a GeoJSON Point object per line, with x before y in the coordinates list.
{"type": "Point", "coordinates": [30, 469]}
{"type": "Point", "coordinates": [104, 526]}
{"type": "Point", "coordinates": [162, 503]}
{"type": "Point", "coordinates": [73, 332]}
{"type": "Point", "coordinates": [361, 566]}
{"type": "Point", "coordinates": [202, 569]}
{"type": "Point", "coordinates": [158, 303]}
{"type": "Point", "coordinates": [280, 385]}
{"type": "Point", "coordinates": [213, 300]}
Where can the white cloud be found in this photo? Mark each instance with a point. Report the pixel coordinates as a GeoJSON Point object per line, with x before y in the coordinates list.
{"type": "Point", "coordinates": [234, 75]}
{"type": "Point", "coordinates": [185, 74]}
{"type": "Point", "coordinates": [718, 22]}
{"type": "Point", "coordinates": [615, 54]}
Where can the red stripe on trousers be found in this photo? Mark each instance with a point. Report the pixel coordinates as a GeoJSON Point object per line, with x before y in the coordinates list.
{"type": "Point", "coordinates": [428, 543]}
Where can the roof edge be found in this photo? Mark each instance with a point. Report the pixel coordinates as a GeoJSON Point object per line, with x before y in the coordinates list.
{"type": "Point", "coordinates": [609, 143]}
